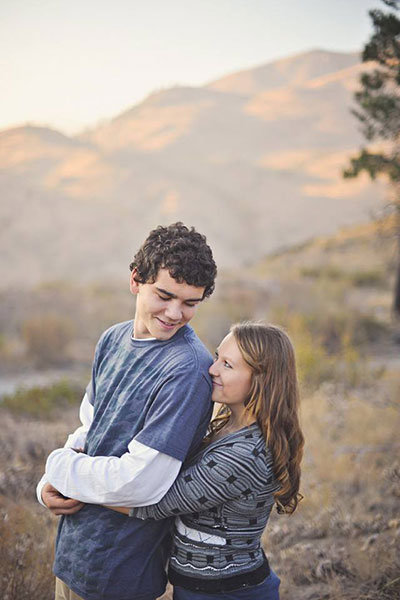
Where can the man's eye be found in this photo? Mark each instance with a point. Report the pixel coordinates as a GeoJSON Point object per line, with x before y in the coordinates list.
{"type": "Point", "coordinates": [226, 364]}
{"type": "Point", "coordinates": [163, 298]}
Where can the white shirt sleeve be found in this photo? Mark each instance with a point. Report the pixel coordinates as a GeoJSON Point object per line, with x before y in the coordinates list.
{"type": "Point", "coordinates": [139, 477]}
{"type": "Point", "coordinates": [76, 439]}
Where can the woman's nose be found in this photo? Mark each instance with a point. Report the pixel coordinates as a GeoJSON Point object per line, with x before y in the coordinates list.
{"type": "Point", "coordinates": [213, 370]}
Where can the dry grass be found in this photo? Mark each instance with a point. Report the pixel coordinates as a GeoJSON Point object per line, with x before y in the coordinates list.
{"type": "Point", "coordinates": [343, 542]}
{"type": "Point", "coordinates": [26, 552]}
{"type": "Point", "coordinates": [27, 531]}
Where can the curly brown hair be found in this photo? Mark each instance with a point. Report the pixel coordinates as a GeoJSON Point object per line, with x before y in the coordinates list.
{"type": "Point", "coordinates": [183, 251]}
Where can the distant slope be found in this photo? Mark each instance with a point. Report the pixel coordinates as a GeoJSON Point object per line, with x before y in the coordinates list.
{"type": "Point", "coordinates": [360, 249]}
{"type": "Point", "coordinates": [292, 70]}
{"type": "Point", "coordinates": [253, 160]}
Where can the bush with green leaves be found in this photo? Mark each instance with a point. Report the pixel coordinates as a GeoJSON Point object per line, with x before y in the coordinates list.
{"type": "Point", "coordinates": [43, 402]}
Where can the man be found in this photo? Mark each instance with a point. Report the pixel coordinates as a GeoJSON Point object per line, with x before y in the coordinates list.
{"type": "Point", "coordinates": [147, 406]}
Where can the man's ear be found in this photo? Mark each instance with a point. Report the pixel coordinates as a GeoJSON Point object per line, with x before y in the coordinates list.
{"type": "Point", "coordinates": [133, 284]}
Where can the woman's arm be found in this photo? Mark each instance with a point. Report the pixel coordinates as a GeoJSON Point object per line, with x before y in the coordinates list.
{"type": "Point", "coordinates": [221, 475]}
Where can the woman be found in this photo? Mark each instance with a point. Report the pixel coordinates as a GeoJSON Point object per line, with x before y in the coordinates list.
{"type": "Point", "coordinates": [249, 460]}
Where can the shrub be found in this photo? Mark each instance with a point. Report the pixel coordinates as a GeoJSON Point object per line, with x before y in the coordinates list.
{"type": "Point", "coordinates": [326, 272]}
{"type": "Point", "coordinates": [314, 364]}
{"type": "Point", "coordinates": [42, 402]}
{"type": "Point", "coordinates": [47, 338]}
{"type": "Point", "coordinates": [368, 329]}
{"type": "Point", "coordinates": [329, 346]}
{"type": "Point", "coordinates": [369, 278]}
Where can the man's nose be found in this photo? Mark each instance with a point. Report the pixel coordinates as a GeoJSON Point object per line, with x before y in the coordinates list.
{"type": "Point", "coordinates": [173, 311]}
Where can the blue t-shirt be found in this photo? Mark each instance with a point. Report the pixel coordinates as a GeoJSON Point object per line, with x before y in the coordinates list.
{"type": "Point", "coordinates": [157, 392]}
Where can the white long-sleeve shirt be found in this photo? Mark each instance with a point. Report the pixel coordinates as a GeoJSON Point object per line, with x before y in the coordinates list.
{"type": "Point", "coordinates": [139, 477]}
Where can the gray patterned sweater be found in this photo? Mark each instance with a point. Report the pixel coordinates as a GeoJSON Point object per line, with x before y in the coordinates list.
{"type": "Point", "coordinates": [226, 490]}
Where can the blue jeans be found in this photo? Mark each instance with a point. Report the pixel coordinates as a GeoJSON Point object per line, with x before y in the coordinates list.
{"type": "Point", "coordinates": [267, 590]}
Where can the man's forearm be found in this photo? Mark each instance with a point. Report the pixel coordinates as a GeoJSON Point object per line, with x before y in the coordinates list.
{"type": "Point", "coordinates": [141, 476]}
{"type": "Point", "coordinates": [76, 439]}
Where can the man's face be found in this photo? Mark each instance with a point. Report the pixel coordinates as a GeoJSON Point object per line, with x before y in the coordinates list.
{"type": "Point", "coordinates": [164, 306]}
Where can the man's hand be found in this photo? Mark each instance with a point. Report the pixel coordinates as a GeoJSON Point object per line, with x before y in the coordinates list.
{"type": "Point", "coordinates": [59, 504]}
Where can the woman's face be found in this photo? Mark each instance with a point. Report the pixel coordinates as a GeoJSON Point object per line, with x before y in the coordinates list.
{"type": "Point", "coordinates": [230, 374]}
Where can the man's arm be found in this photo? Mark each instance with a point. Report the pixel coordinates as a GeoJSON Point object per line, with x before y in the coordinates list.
{"type": "Point", "coordinates": [144, 478]}
{"type": "Point", "coordinates": [139, 477]}
{"type": "Point", "coordinates": [143, 474]}
{"type": "Point", "coordinates": [48, 495]}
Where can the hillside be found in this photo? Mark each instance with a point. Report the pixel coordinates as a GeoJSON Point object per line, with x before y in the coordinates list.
{"type": "Point", "coordinates": [259, 151]}
{"type": "Point", "coordinates": [292, 70]}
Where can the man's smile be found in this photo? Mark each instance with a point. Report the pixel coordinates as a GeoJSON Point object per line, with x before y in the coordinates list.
{"type": "Point", "coordinates": [165, 324]}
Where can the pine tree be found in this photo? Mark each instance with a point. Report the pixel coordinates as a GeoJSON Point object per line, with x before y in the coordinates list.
{"type": "Point", "coordinates": [378, 111]}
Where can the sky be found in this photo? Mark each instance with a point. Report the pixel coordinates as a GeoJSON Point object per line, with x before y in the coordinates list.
{"type": "Point", "coordinates": [73, 64]}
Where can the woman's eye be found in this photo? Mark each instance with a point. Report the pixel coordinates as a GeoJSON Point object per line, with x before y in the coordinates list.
{"type": "Point", "coordinates": [162, 298]}
{"type": "Point", "coordinates": [226, 364]}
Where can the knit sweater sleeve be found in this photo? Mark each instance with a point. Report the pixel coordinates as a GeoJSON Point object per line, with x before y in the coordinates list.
{"type": "Point", "coordinates": [223, 474]}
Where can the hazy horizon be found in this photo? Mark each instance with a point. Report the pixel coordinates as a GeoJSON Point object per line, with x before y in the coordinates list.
{"type": "Point", "coordinates": [81, 64]}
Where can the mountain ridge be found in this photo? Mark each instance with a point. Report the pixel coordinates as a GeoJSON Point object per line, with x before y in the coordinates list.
{"type": "Point", "coordinates": [251, 172]}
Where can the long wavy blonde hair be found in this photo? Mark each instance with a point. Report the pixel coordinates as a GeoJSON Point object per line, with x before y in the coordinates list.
{"type": "Point", "coordinates": [273, 402]}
